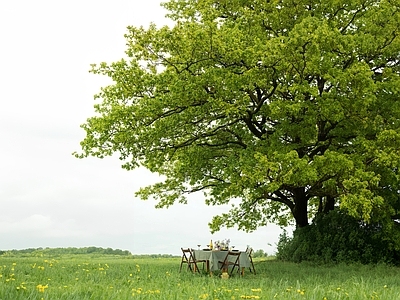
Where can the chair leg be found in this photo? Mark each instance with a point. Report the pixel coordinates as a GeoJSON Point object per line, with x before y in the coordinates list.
{"type": "Point", "coordinates": [238, 269]}
{"type": "Point", "coordinates": [254, 269]}
{"type": "Point", "coordinates": [190, 268]}
{"type": "Point", "coordinates": [195, 268]}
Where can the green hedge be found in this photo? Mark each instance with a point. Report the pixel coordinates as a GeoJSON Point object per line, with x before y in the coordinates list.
{"type": "Point", "coordinates": [338, 237]}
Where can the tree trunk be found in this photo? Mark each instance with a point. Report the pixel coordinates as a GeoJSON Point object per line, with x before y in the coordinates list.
{"type": "Point", "coordinates": [300, 212]}
{"type": "Point", "coordinates": [329, 204]}
{"type": "Point", "coordinates": [326, 204]}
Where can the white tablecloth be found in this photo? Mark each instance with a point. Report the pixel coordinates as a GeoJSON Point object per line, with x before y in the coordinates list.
{"type": "Point", "coordinates": [214, 256]}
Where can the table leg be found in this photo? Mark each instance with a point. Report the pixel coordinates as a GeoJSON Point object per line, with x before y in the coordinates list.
{"type": "Point", "coordinates": [242, 271]}
{"type": "Point", "coordinates": [208, 268]}
{"type": "Point", "coordinates": [194, 268]}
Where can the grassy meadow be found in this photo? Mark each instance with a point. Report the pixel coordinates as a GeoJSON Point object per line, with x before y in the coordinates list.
{"type": "Point", "coordinates": [123, 277]}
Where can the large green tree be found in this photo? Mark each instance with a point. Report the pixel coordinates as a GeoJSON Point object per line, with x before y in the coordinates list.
{"type": "Point", "coordinates": [285, 107]}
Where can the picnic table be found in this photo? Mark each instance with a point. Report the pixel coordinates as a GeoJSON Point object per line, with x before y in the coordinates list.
{"type": "Point", "coordinates": [212, 258]}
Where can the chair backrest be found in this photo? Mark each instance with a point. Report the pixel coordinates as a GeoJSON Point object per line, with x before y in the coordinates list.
{"type": "Point", "coordinates": [187, 255]}
{"type": "Point", "coordinates": [249, 251]}
{"type": "Point", "coordinates": [234, 253]}
{"type": "Point", "coordinates": [232, 257]}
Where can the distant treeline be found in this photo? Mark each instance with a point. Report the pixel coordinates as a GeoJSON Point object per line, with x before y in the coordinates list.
{"type": "Point", "coordinates": [69, 250]}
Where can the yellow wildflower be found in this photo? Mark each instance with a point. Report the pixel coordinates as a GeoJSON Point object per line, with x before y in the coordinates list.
{"type": "Point", "coordinates": [41, 288]}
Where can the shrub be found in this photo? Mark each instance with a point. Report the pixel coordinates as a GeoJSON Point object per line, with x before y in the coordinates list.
{"type": "Point", "coordinates": [338, 237]}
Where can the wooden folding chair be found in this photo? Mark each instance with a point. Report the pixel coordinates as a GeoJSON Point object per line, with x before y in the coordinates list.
{"type": "Point", "coordinates": [231, 260]}
{"type": "Point", "coordinates": [249, 252]}
{"type": "Point", "coordinates": [189, 259]}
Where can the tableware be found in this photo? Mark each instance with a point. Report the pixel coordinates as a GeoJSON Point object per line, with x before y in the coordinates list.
{"type": "Point", "coordinates": [198, 246]}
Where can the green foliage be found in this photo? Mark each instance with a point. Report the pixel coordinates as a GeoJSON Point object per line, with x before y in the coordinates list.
{"type": "Point", "coordinates": [290, 107]}
{"type": "Point", "coordinates": [259, 254]}
{"type": "Point", "coordinates": [338, 237]}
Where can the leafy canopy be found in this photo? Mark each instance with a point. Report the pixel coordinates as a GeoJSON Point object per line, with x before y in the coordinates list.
{"type": "Point", "coordinates": [284, 106]}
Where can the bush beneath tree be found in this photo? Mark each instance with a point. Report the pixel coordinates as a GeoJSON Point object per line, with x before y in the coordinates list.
{"type": "Point", "coordinates": [338, 237]}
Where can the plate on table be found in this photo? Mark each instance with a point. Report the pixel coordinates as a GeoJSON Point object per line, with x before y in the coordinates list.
{"type": "Point", "coordinates": [206, 249]}
{"type": "Point", "coordinates": [235, 250]}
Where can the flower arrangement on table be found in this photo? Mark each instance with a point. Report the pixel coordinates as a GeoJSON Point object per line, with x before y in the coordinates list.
{"type": "Point", "coordinates": [222, 245]}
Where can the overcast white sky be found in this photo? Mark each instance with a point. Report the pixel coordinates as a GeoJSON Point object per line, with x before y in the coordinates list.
{"type": "Point", "coordinates": [48, 197]}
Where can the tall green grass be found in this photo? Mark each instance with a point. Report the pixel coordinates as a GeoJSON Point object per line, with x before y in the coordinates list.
{"type": "Point", "coordinates": [108, 277]}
